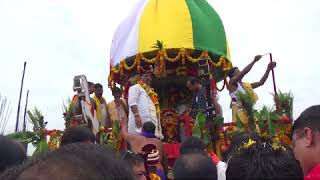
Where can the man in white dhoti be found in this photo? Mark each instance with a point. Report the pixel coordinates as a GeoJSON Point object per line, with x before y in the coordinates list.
{"type": "Point", "coordinates": [144, 105]}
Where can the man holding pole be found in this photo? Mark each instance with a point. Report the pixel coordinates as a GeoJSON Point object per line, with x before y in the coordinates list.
{"type": "Point", "coordinates": [236, 86]}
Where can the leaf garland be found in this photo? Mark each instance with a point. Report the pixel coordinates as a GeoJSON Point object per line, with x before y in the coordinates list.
{"type": "Point", "coordinates": [247, 104]}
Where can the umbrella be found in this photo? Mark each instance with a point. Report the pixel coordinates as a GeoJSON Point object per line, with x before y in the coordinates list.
{"type": "Point", "coordinates": [169, 31]}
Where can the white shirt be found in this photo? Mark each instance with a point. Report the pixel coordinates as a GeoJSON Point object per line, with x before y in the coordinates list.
{"type": "Point", "coordinates": [221, 170]}
{"type": "Point", "coordinates": [147, 110]}
{"type": "Point", "coordinates": [233, 94]}
{"type": "Point", "coordinates": [103, 115]}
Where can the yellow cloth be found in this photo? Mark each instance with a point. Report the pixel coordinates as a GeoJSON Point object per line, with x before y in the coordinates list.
{"type": "Point", "coordinates": [177, 19]}
{"type": "Point", "coordinates": [98, 107]}
{"type": "Point", "coordinates": [250, 92]}
{"type": "Point", "coordinates": [113, 112]}
{"type": "Point", "coordinates": [240, 113]}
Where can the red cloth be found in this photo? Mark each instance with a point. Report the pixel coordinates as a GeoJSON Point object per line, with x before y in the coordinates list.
{"type": "Point", "coordinates": [214, 158]}
{"type": "Point", "coordinates": [172, 150]}
{"type": "Point", "coordinates": [314, 174]}
{"type": "Point", "coordinates": [187, 121]}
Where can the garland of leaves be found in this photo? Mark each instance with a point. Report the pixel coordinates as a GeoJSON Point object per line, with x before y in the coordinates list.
{"type": "Point", "coordinates": [38, 136]}
{"type": "Point", "coordinates": [285, 103]}
{"type": "Point", "coordinates": [67, 112]}
{"type": "Point", "coordinates": [247, 104]}
{"type": "Point", "coordinates": [111, 137]}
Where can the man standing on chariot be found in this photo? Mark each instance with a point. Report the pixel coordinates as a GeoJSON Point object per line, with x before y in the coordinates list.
{"type": "Point", "coordinates": [118, 108]}
{"type": "Point", "coordinates": [236, 86]}
{"type": "Point", "coordinates": [144, 104]}
{"type": "Point", "coordinates": [100, 106]}
{"type": "Point", "coordinates": [199, 101]}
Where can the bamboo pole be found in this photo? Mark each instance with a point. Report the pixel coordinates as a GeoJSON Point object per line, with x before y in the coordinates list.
{"type": "Point", "coordinates": [19, 102]}
{"type": "Point", "coordinates": [25, 113]}
{"type": "Point", "coordinates": [274, 84]}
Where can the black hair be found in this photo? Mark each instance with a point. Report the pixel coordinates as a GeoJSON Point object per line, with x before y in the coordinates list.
{"type": "Point", "coordinates": [149, 127]}
{"type": "Point", "coordinates": [231, 72]}
{"type": "Point", "coordinates": [116, 90]}
{"type": "Point", "coordinates": [11, 153]}
{"type": "Point", "coordinates": [308, 118]}
{"type": "Point", "coordinates": [193, 80]}
{"type": "Point", "coordinates": [132, 158]}
{"type": "Point", "coordinates": [263, 161]}
{"type": "Point", "coordinates": [90, 84]}
{"type": "Point", "coordinates": [98, 85]}
{"type": "Point", "coordinates": [194, 166]}
{"type": "Point", "coordinates": [192, 145]}
{"type": "Point", "coordinates": [74, 161]}
{"type": "Point", "coordinates": [77, 134]}
{"type": "Point", "coordinates": [237, 141]}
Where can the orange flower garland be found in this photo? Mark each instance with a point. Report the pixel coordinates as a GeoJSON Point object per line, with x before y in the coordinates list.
{"type": "Point", "coordinates": [152, 94]}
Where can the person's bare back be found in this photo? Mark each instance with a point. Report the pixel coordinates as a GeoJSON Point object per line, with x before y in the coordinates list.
{"type": "Point", "coordinates": [137, 142]}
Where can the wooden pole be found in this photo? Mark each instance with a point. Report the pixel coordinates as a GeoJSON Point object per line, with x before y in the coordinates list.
{"type": "Point", "coordinates": [19, 102]}
{"type": "Point", "coordinates": [274, 84]}
{"type": "Point", "coordinates": [25, 113]}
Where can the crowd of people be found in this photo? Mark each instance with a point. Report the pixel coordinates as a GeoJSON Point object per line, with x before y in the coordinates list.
{"type": "Point", "coordinates": [249, 156]}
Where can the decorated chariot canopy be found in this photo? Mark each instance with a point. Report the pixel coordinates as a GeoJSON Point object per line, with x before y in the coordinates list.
{"type": "Point", "coordinates": [172, 36]}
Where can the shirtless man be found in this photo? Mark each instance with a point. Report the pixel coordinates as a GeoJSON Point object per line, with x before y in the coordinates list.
{"type": "Point", "coordinates": [236, 76]}
{"type": "Point", "coordinates": [236, 84]}
{"type": "Point", "coordinates": [147, 136]}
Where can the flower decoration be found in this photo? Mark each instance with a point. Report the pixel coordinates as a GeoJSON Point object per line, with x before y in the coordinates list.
{"type": "Point", "coordinates": [248, 144]}
{"type": "Point", "coordinates": [285, 120]}
{"type": "Point", "coordinates": [275, 146]}
{"type": "Point", "coordinates": [152, 94]}
{"type": "Point", "coordinates": [169, 122]}
{"type": "Point", "coordinates": [154, 176]}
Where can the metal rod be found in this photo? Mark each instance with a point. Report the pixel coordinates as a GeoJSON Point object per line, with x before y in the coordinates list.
{"type": "Point", "coordinates": [19, 102]}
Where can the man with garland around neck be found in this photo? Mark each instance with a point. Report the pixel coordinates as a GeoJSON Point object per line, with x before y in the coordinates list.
{"type": "Point", "coordinates": [100, 106]}
{"type": "Point", "coordinates": [236, 86]}
{"type": "Point", "coordinates": [144, 104]}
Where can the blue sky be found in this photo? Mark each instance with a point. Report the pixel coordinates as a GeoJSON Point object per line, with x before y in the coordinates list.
{"type": "Point", "coordinates": [61, 39]}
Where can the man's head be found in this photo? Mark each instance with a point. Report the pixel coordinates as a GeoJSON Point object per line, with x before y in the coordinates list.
{"type": "Point", "coordinates": [11, 153]}
{"type": "Point", "coordinates": [148, 127]}
{"type": "Point", "coordinates": [116, 93]}
{"type": "Point", "coordinates": [98, 90]}
{"type": "Point", "coordinates": [74, 161]}
{"type": "Point", "coordinates": [76, 135]}
{"type": "Point", "coordinates": [146, 74]}
{"type": "Point", "coordinates": [194, 166]}
{"type": "Point", "coordinates": [306, 138]}
{"type": "Point", "coordinates": [233, 72]}
{"type": "Point", "coordinates": [192, 145]}
{"type": "Point", "coordinates": [151, 154]}
{"type": "Point", "coordinates": [265, 160]}
{"type": "Point", "coordinates": [136, 162]}
{"type": "Point", "coordinates": [193, 84]}
{"type": "Point", "coordinates": [237, 141]}
{"type": "Point", "coordinates": [91, 87]}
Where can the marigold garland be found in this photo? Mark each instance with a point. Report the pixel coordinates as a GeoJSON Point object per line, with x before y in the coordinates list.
{"type": "Point", "coordinates": [162, 55]}
{"type": "Point", "coordinates": [152, 94]}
